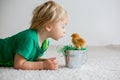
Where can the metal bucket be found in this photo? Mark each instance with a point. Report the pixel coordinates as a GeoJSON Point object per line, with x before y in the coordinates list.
{"type": "Point", "coordinates": [75, 58]}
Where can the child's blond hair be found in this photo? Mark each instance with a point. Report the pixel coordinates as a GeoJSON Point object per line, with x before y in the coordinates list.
{"type": "Point", "coordinates": [50, 12]}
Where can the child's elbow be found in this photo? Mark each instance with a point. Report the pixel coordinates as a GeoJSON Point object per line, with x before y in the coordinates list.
{"type": "Point", "coordinates": [19, 61]}
{"type": "Point", "coordinates": [17, 66]}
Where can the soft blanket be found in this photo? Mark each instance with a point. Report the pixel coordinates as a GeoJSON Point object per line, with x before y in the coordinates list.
{"type": "Point", "coordinates": [103, 63]}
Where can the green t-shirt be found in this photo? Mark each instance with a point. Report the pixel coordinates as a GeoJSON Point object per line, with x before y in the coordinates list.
{"type": "Point", "coordinates": [24, 43]}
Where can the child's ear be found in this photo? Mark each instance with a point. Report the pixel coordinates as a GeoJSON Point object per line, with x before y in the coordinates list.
{"type": "Point", "coordinates": [48, 28]}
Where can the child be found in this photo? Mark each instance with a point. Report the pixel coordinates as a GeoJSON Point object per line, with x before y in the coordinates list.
{"type": "Point", "coordinates": [23, 50]}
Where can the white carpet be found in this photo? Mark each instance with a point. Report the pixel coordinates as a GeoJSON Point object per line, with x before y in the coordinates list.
{"type": "Point", "coordinates": [103, 63]}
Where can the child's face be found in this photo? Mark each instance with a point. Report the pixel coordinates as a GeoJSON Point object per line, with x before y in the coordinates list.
{"type": "Point", "coordinates": [58, 30]}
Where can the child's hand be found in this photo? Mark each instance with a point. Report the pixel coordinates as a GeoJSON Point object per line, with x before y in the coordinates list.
{"type": "Point", "coordinates": [51, 64]}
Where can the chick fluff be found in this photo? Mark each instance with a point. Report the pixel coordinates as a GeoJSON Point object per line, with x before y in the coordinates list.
{"type": "Point", "coordinates": [77, 41]}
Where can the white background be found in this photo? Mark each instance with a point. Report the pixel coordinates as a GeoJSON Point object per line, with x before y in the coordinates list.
{"type": "Point", "coordinates": [97, 21]}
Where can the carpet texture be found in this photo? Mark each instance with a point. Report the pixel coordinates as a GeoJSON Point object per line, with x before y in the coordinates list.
{"type": "Point", "coordinates": [103, 63]}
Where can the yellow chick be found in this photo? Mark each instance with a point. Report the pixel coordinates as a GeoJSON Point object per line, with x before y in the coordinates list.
{"type": "Point", "coordinates": [78, 41]}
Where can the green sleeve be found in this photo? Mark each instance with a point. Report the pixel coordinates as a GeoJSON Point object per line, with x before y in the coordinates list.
{"type": "Point", "coordinates": [25, 48]}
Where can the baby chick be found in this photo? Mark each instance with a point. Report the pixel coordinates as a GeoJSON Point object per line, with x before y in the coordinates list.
{"type": "Point", "coordinates": [78, 41]}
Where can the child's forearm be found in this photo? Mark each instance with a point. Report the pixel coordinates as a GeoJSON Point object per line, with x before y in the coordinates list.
{"type": "Point", "coordinates": [30, 66]}
{"type": "Point", "coordinates": [21, 63]}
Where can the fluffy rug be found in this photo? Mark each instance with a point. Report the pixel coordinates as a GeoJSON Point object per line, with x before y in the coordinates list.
{"type": "Point", "coordinates": [103, 63]}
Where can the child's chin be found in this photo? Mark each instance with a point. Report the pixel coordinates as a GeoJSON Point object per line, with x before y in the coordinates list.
{"type": "Point", "coordinates": [57, 39]}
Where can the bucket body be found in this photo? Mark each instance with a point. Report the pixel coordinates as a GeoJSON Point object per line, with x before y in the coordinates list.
{"type": "Point", "coordinates": [75, 58]}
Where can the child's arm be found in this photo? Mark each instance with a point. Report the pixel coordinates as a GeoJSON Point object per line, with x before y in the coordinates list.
{"type": "Point", "coordinates": [21, 63]}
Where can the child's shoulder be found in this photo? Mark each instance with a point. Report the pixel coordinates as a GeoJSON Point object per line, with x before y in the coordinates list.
{"type": "Point", "coordinates": [28, 33]}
